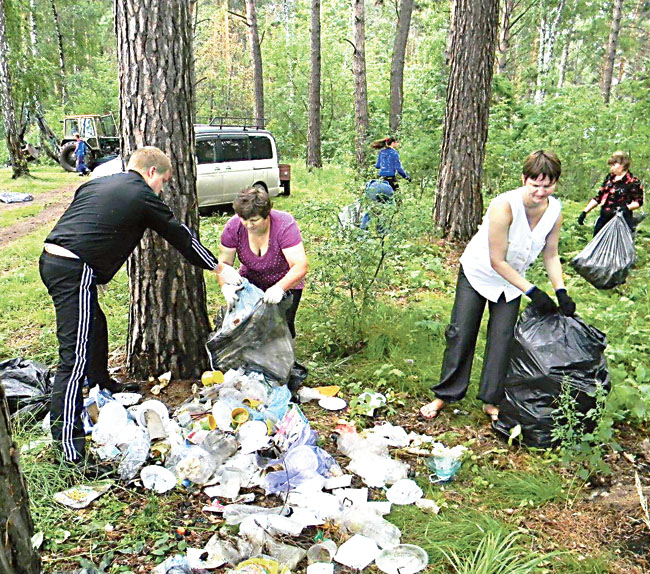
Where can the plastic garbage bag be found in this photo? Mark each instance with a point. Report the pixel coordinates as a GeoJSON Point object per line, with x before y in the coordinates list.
{"type": "Point", "coordinates": [608, 257]}
{"type": "Point", "coordinates": [136, 455]}
{"type": "Point", "coordinates": [351, 215]}
{"type": "Point", "coordinates": [15, 197]}
{"type": "Point", "coordinates": [111, 424]}
{"type": "Point", "coordinates": [366, 522]}
{"type": "Point", "coordinates": [377, 191]}
{"type": "Point", "coordinates": [259, 341]}
{"type": "Point", "coordinates": [548, 352]}
{"type": "Point", "coordinates": [27, 385]}
{"type": "Point", "coordinates": [192, 463]}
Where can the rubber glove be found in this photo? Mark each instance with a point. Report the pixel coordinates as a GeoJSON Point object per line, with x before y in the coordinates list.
{"type": "Point", "coordinates": [230, 275]}
{"type": "Point", "coordinates": [567, 305]}
{"type": "Point", "coordinates": [273, 295]}
{"type": "Point", "coordinates": [541, 302]}
{"type": "Point", "coordinates": [230, 294]}
{"type": "Point", "coordinates": [581, 217]}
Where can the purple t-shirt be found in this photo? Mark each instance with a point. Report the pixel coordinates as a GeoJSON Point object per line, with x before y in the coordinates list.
{"type": "Point", "coordinates": [268, 269]}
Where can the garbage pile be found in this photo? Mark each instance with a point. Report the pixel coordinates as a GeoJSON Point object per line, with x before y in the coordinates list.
{"type": "Point", "coordinates": [240, 434]}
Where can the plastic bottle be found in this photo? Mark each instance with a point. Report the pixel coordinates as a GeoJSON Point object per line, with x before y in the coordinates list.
{"type": "Point", "coordinates": [136, 455]}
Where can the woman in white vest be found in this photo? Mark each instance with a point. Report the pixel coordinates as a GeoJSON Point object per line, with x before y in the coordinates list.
{"type": "Point", "coordinates": [518, 226]}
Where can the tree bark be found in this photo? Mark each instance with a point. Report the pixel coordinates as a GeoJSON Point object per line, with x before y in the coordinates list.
{"type": "Point", "coordinates": [548, 31]}
{"type": "Point", "coordinates": [256, 56]}
{"type": "Point", "coordinates": [59, 41]}
{"type": "Point", "coordinates": [361, 90]}
{"type": "Point", "coordinates": [397, 64]}
{"type": "Point", "coordinates": [168, 321]}
{"type": "Point", "coordinates": [17, 555]}
{"type": "Point", "coordinates": [314, 158]}
{"type": "Point", "coordinates": [504, 36]}
{"type": "Point", "coordinates": [18, 162]}
{"type": "Point", "coordinates": [612, 47]}
{"type": "Point", "coordinates": [459, 203]}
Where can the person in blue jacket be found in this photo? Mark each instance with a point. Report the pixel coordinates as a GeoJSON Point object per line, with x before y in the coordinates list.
{"type": "Point", "coordinates": [388, 162]}
{"type": "Point", "coordinates": [80, 152]}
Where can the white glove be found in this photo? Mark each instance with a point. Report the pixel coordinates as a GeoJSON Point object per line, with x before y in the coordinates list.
{"type": "Point", "coordinates": [273, 295]}
{"type": "Point", "coordinates": [230, 275]}
{"type": "Point", "coordinates": [230, 294]}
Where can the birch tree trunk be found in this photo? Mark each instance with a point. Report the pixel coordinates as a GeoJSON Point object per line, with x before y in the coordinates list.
{"type": "Point", "coordinates": [59, 41]}
{"type": "Point", "coordinates": [612, 47]}
{"type": "Point", "coordinates": [504, 36]}
{"type": "Point", "coordinates": [256, 56]}
{"type": "Point", "coordinates": [17, 555]}
{"type": "Point", "coordinates": [397, 64]}
{"type": "Point", "coordinates": [168, 320]}
{"type": "Point", "coordinates": [548, 31]}
{"type": "Point", "coordinates": [361, 90]}
{"type": "Point", "coordinates": [314, 121]}
{"type": "Point", "coordinates": [459, 203]}
{"type": "Point", "coordinates": [18, 162]}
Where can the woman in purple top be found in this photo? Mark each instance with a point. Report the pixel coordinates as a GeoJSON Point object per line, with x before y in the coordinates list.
{"type": "Point", "coordinates": [270, 250]}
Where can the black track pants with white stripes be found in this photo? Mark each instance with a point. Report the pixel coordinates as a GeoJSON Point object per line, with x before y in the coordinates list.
{"type": "Point", "coordinates": [81, 331]}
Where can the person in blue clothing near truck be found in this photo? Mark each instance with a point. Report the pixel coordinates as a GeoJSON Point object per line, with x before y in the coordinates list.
{"type": "Point", "coordinates": [80, 153]}
{"type": "Point", "coordinates": [388, 162]}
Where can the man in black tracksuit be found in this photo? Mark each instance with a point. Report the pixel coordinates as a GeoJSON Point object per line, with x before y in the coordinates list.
{"type": "Point", "coordinates": [102, 226]}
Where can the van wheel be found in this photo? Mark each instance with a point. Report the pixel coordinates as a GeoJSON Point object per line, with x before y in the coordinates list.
{"type": "Point", "coordinates": [286, 188]}
{"type": "Point", "coordinates": [206, 211]}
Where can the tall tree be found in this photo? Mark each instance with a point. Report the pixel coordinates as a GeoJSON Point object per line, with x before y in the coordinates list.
{"type": "Point", "coordinates": [18, 162]}
{"type": "Point", "coordinates": [459, 203]}
{"type": "Point", "coordinates": [549, 26]}
{"type": "Point", "coordinates": [59, 44]}
{"type": "Point", "coordinates": [504, 35]}
{"type": "Point", "coordinates": [361, 88]}
{"type": "Point", "coordinates": [256, 56]}
{"type": "Point", "coordinates": [17, 555]}
{"type": "Point", "coordinates": [314, 122]}
{"type": "Point", "coordinates": [168, 320]}
{"type": "Point", "coordinates": [612, 47]}
{"type": "Point", "coordinates": [397, 64]}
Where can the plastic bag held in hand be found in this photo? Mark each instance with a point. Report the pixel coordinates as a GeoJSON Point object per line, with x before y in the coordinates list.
{"type": "Point", "coordinates": [229, 274]}
{"type": "Point", "coordinates": [273, 295]}
{"type": "Point", "coordinates": [541, 302]}
{"type": "Point", "coordinates": [567, 305]}
{"type": "Point", "coordinates": [230, 294]}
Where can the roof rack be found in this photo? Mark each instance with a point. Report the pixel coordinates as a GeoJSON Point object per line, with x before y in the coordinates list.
{"type": "Point", "coordinates": [243, 122]}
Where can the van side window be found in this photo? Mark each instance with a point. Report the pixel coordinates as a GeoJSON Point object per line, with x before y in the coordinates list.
{"type": "Point", "coordinates": [261, 147]}
{"type": "Point", "coordinates": [206, 151]}
{"type": "Point", "coordinates": [234, 148]}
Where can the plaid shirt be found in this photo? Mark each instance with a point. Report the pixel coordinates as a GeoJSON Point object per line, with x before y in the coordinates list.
{"type": "Point", "coordinates": [613, 194]}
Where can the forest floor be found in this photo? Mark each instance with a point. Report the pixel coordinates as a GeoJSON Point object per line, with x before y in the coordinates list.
{"type": "Point", "coordinates": [594, 526]}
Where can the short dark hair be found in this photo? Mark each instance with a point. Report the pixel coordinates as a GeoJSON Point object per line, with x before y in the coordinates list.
{"type": "Point", "coordinates": [544, 163]}
{"type": "Point", "coordinates": [251, 202]}
{"type": "Point", "coordinates": [620, 157]}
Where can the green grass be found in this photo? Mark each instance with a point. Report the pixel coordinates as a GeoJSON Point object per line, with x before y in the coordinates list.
{"type": "Point", "coordinates": [42, 178]}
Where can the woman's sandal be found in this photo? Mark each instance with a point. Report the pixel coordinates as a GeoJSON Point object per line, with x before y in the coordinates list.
{"type": "Point", "coordinates": [432, 413]}
{"type": "Point", "coordinates": [491, 411]}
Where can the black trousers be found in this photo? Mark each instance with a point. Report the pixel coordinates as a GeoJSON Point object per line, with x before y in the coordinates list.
{"type": "Point", "coordinates": [461, 335]}
{"type": "Point", "coordinates": [291, 311]}
{"type": "Point", "coordinates": [83, 346]}
{"type": "Point", "coordinates": [606, 216]}
{"type": "Point", "coordinates": [392, 180]}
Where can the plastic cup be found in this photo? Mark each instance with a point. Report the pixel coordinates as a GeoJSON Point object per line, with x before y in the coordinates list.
{"type": "Point", "coordinates": [444, 467]}
{"type": "Point", "coordinates": [208, 422]}
{"type": "Point", "coordinates": [239, 416]}
{"type": "Point", "coordinates": [212, 378]}
{"type": "Point", "coordinates": [322, 552]}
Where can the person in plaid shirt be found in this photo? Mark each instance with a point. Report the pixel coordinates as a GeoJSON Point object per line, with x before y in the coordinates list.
{"type": "Point", "coordinates": [620, 191]}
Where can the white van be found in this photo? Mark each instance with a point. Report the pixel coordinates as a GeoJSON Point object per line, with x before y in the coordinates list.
{"type": "Point", "coordinates": [231, 159]}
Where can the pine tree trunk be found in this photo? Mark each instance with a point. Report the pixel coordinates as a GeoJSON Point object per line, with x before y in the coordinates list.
{"type": "Point", "coordinates": [612, 47]}
{"type": "Point", "coordinates": [504, 36]}
{"type": "Point", "coordinates": [168, 321]}
{"type": "Point", "coordinates": [17, 556]}
{"type": "Point", "coordinates": [397, 65]}
{"type": "Point", "coordinates": [459, 203]}
{"type": "Point", "coordinates": [314, 122]}
{"type": "Point", "coordinates": [256, 56]}
{"type": "Point", "coordinates": [361, 90]}
{"type": "Point", "coordinates": [18, 162]}
{"type": "Point", "coordinates": [59, 41]}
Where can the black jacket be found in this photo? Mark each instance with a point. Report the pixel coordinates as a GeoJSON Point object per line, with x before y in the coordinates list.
{"type": "Point", "coordinates": [108, 217]}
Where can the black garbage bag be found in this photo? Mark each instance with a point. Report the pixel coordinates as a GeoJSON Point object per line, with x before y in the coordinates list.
{"type": "Point", "coordinates": [549, 353]}
{"type": "Point", "coordinates": [608, 257]}
{"type": "Point", "coordinates": [27, 385]}
{"type": "Point", "coordinates": [260, 340]}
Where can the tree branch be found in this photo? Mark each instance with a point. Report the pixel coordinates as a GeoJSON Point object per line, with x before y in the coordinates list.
{"type": "Point", "coordinates": [238, 16]}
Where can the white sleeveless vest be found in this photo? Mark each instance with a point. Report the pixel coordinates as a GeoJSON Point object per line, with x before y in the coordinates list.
{"type": "Point", "coordinates": [524, 246]}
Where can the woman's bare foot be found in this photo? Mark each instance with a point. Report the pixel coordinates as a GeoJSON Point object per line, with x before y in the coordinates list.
{"type": "Point", "coordinates": [431, 410]}
{"type": "Point", "coordinates": [491, 411]}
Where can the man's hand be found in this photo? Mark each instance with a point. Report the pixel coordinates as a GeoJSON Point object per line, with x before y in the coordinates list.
{"type": "Point", "coordinates": [229, 274]}
{"type": "Point", "coordinates": [541, 302]}
{"type": "Point", "coordinates": [273, 295]}
{"type": "Point", "coordinates": [567, 305]}
{"type": "Point", "coordinates": [581, 217]}
{"type": "Point", "coordinates": [230, 293]}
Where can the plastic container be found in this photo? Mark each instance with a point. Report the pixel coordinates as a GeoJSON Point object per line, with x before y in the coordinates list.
{"type": "Point", "coordinates": [402, 559]}
{"type": "Point", "coordinates": [220, 445]}
{"type": "Point", "coordinates": [322, 552]}
{"type": "Point", "coordinates": [136, 455]}
{"type": "Point", "coordinates": [370, 525]}
{"type": "Point", "coordinates": [191, 462]}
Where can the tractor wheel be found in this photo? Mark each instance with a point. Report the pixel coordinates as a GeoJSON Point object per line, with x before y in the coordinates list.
{"type": "Point", "coordinates": [67, 158]}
